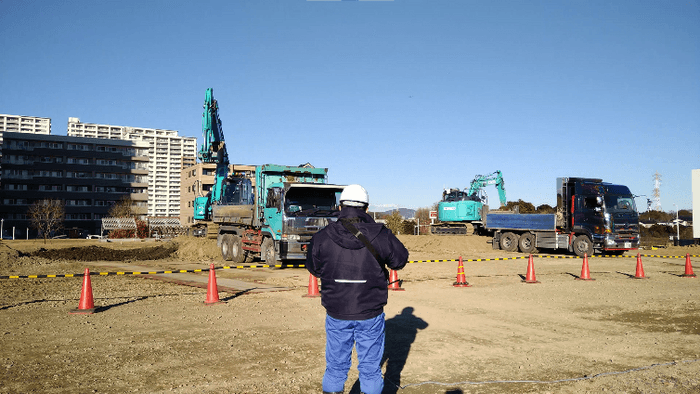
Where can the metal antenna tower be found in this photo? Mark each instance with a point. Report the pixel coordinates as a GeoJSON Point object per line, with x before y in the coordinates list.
{"type": "Point", "coordinates": [657, 194]}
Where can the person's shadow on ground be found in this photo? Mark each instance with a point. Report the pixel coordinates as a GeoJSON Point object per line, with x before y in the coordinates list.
{"type": "Point", "coordinates": [400, 331]}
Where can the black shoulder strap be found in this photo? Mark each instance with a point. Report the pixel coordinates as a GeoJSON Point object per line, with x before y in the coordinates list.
{"type": "Point", "coordinates": [358, 234]}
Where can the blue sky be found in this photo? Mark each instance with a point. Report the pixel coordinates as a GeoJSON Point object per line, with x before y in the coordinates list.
{"type": "Point", "coordinates": [405, 97]}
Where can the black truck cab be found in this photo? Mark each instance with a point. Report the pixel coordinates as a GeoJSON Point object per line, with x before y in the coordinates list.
{"type": "Point", "coordinates": [605, 213]}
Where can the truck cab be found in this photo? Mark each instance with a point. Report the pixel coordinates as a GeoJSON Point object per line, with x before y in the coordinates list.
{"type": "Point", "coordinates": [605, 213]}
{"type": "Point", "coordinates": [273, 211]}
{"type": "Point", "coordinates": [294, 212]}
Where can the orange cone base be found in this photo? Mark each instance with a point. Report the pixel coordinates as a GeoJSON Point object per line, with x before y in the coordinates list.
{"type": "Point", "coordinates": [312, 295]}
{"type": "Point", "coordinates": [530, 276]}
{"type": "Point", "coordinates": [86, 305]}
{"type": "Point", "coordinates": [395, 285]}
{"type": "Point", "coordinates": [82, 311]}
{"type": "Point", "coordinates": [586, 279]}
{"type": "Point", "coordinates": [212, 288]}
{"type": "Point", "coordinates": [688, 268]}
{"type": "Point", "coordinates": [312, 291]}
{"type": "Point", "coordinates": [461, 280]}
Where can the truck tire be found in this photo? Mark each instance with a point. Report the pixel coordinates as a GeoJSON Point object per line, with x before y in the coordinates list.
{"type": "Point", "coordinates": [267, 251]}
{"type": "Point", "coordinates": [509, 242]}
{"type": "Point", "coordinates": [236, 251]}
{"type": "Point", "coordinates": [226, 246]}
{"type": "Point", "coordinates": [526, 243]}
{"type": "Point", "coordinates": [583, 246]}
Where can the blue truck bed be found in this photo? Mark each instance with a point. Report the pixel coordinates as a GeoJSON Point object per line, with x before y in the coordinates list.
{"type": "Point", "coordinates": [517, 221]}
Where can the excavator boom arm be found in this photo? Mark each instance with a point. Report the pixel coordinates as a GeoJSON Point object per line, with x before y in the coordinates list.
{"type": "Point", "coordinates": [213, 149]}
{"type": "Point", "coordinates": [480, 181]}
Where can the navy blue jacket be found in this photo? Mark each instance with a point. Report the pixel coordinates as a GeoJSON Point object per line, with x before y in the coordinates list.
{"type": "Point", "coordinates": [353, 284]}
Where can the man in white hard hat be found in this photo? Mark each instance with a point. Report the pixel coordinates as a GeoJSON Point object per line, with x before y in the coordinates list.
{"type": "Point", "coordinates": [350, 257]}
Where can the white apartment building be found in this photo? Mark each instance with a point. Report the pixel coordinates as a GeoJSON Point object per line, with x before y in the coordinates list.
{"type": "Point", "coordinates": [168, 154]}
{"type": "Point", "coordinates": [25, 124]}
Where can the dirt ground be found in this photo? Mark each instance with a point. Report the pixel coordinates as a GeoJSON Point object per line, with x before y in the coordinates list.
{"type": "Point", "coordinates": [614, 334]}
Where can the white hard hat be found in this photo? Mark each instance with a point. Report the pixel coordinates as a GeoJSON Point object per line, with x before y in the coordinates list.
{"type": "Point", "coordinates": [354, 195]}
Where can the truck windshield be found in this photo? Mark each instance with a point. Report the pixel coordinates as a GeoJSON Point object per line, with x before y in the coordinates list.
{"type": "Point", "coordinates": [619, 203]}
{"type": "Point", "coordinates": [302, 201]}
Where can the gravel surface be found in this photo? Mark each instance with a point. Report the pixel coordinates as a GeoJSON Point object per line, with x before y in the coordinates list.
{"type": "Point", "coordinates": [614, 334]}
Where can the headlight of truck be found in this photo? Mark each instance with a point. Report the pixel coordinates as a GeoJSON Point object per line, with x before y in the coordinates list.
{"type": "Point", "coordinates": [291, 237]}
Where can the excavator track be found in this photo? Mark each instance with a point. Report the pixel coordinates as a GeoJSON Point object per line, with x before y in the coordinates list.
{"type": "Point", "coordinates": [452, 229]}
{"type": "Point", "coordinates": [212, 230]}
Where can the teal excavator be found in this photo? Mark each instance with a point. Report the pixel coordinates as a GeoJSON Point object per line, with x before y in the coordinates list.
{"type": "Point", "coordinates": [213, 150]}
{"type": "Point", "coordinates": [462, 211]}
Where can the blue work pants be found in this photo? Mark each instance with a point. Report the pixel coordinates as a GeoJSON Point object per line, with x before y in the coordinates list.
{"type": "Point", "coordinates": [368, 338]}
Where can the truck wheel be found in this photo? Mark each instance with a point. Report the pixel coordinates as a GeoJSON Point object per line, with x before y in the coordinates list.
{"type": "Point", "coordinates": [526, 243]}
{"type": "Point", "coordinates": [509, 242]}
{"type": "Point", "coordinates": [236, 251]}
{"type": "Point", "coordinates": [226, 246]}
{"type": "Point", "coordinates": [583, 246]}
{"type": "Point", "coordinates": [267, 251]}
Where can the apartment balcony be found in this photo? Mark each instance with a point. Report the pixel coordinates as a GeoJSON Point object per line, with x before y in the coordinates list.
{"type": "Point", "coordinates": [138, 196]}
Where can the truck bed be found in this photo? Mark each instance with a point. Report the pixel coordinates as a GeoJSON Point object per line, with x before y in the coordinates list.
{"type": "Point", "coordinates": [230, 214]}
{"type": "Point", "coordinates": [517, 221]}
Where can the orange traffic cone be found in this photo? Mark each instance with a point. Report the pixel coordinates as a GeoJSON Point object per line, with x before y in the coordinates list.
{"type": "Point", "coordinates": [461, 278]}
{"type": "Point", "coordinates": [639, 274]}
{"type": "Point", "coordinates": [313, 287]}
{"type": "Point", "coordinates": [585, 272]}
{"type": "Point", "coordinates": [530, 276]}
{"type": "Point", "coordinates": [688, 268]}
{"type": "Point", "coordinates": [86, 304]}
{"type": "Point", "coordinates": [394, 283]}
{"type": "Point", "coordinates": [212, 289]}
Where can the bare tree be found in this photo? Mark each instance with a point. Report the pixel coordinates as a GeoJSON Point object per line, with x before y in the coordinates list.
{"type": "Point", "coordinates": [47, 216]}
{"type": "Point", "coordinates": [122, 208]}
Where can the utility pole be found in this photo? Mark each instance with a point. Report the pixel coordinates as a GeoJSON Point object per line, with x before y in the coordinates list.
{"type": "Point", "coordinates": [678, 230]}
{"type": "Point", "coordinates": [657, 191]}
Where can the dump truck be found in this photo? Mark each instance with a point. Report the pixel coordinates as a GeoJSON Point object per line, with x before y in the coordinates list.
{"type": "Point", "coordinates": [266, 211]}
{"type": "Point", "coordinates": [592, 216]}
{"type": "Point", "coordinates": [273, 212]}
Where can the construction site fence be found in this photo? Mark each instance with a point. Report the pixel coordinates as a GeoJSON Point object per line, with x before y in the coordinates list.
{"type": "Point", "coordinates": [301, 265]}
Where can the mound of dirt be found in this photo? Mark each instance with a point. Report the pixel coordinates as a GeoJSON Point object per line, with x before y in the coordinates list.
{"type": "Point", "coordinates": [99, 253]}
{"type": "Point", "coordinates": [8, 255]}
{"type": "Point", "coordinates": [196, 249]}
